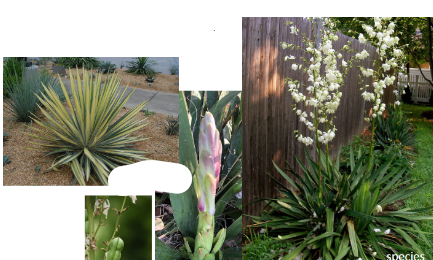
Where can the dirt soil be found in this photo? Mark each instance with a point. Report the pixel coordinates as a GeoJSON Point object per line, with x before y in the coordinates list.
{"type": "Point", "coordinates": [162, 82]}
{"type": "Point", "coordinates": [22, 170]}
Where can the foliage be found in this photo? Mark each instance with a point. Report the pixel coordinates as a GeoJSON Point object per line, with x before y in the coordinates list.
{"type": "Point", "coordinates": [150, 75]}
{"type": "Point", "coordinates": [6, 159]}
{"type": "Point", "coordinates": [85, 135]}
{"type": "Point", "coordinates": [56, 60]}
{"type": "Point", "coordinates": [134, 216]}
{"type": "Point", "coordinates": [263, 247]}
{"type": "Point", "coordinates": [79, 62]}
{"type": "Point", "coordinates": [225, 108]}
{"type": "Point", "coordinates": [170, 125]}
{"type": "Point", "coordinates": [142, 66]}
{"type": "Point", "coordinates": [12, 74]}
{"type": "Point", "coordinates": [148, 113]}
{"type": "Point", "coordinates": [415, 35]}
{"type": "Point", "coordinates": [107, 67]}
{"type": "Point", "coordinates": [174, 68]}
{"type": "Point", "coordinates": [396, 153]}
{"type": "Point", "coordinates": [422, 171]}
{"type": "Point", "coordinates": [23, 102]}
{"type": "Point", "coordinates": [396, 128]}
{"type": "Point", "coordinates": [350, 215]}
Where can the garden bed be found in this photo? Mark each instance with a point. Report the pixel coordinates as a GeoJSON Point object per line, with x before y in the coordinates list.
{"type": "Point", "coordinates": [162, 82]}
{"type": "Point", "coordinates": [22, 168]}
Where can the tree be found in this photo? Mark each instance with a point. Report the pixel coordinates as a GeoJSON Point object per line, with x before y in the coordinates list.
{"type": "Point", "coordinates": [415, 35]}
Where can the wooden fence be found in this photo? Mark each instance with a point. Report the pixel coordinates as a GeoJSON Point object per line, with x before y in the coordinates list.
{"type": "Point", "coordinates": [268, 116]}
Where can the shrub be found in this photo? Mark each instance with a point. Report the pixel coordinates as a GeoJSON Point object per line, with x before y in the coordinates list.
{"type": "Point", "coordinates": [174, 68]}
{"type": "Point", "coordinates": [170, 125]}
{"type": "Point", "coordinates": [396, 153]}
{"type": "Point", "coordinates": [395, 128]}
{"type": "Point", "coordinates": [85, 134]}
{"type": "Point", "coordinates": [80, 62]}
{"type": "Point", "coordinates": [349, 219]}
{"type": "Point", "coordinates": [23, 102]}
{"type": "Point", "coordinates": [107, 67]}
{"type": "Point", "coordinates": [150, 76]}
{"type": "Point", "coordinates": [12, 74]}
{"type": "Point", "coordinates": [142, 65]}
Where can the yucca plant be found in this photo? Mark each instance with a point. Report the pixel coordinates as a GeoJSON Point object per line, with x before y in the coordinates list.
{"type": "Point", "coordinates": [332, 214]}
{"type": "Point", "coordinates": [170, 125]}
{"type": "Point", "coordinates": [107, 67]}
{"type": "Point", "coordinates": [85, 134]}
{"type": "Point", "coordinates": [142, 65]}
{"type": "Point", "coordinates": [74, 62]}
{"type": "Point", "coordinates": [151, 75]}
{"type": "Point", "coordinates": [23, 101]}
{"type": "Point", "coordinates": [349, 220]}
{"type": "Point", "coordinates": [395, 128]}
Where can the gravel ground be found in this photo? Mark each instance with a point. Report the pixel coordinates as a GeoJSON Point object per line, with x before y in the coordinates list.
{"type": "Point", "coordinates": [162, 82]}
{"type": "Point", "coordinates": [22, 169]}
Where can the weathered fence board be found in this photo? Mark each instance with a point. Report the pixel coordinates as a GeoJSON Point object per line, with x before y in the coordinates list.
{"type": "Point", "coordinates": [268, 117]}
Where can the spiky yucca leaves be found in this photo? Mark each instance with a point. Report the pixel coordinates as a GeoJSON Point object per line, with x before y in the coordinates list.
{"type": "Point", "coordinates": [349, 220]}
{"type": "Point", "coordinates": [142, 65]}
{"type": "Point", "coordinates": [85, 134]}
{"type": "Point", "coordinates": [396, 127]}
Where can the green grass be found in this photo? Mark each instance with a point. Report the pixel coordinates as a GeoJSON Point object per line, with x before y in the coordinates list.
{"type": "Point", "coordinates": [423, 170]}
{"type": "Point", "coordinates": [415, 111]}
{"type": "Point", "coordinates": [261, 246]}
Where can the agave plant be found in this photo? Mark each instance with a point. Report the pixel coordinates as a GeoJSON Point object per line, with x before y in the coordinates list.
{"type": "Point", "coordinates": [85, 134]}
{"type": "Point", "coordinates": [23, 101]}
{"type": "Point", "coordinates": [142, 65]}
{"type": "Point", "coordinates": [107, 67]}
{"type": "Point", "coordinates": [350, 219]}
{"type": "Point", "coordinates": [203, 211]}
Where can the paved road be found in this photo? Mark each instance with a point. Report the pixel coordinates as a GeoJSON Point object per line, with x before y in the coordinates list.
{"type": "Point", "coordinates": [159, 102]}
{"type": "Point", "coordinates": [162, 63]}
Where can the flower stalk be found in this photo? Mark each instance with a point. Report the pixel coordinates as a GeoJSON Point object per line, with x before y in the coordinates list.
{"type": "Point", "coordinates": [205, 245]}
{"type": "Point", "coordinates": [380, 35]}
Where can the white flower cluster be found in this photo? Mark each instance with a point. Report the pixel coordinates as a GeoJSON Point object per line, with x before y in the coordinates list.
{"type": "Point", "coordinates": [381, 35]}
{"type": "Point", "coordinates": [323, 90]}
